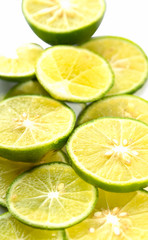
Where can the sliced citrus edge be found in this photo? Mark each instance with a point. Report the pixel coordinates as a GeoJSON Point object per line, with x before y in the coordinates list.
{"type": "Point", "coordinates": [139, 85]}
{"type": "Point", "coordinates": [100, 182]}
{"type": "Point", "coordinates": [52, 226]}
{"type": "Point", "coordinates": [85, 111]}
{"type": "Point", "coordinates": [75, 99]}
{"type": "Point", "coordinates": [9, 218]}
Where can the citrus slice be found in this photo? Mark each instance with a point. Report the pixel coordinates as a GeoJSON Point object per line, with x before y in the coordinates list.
{"type": "Point", "coordinates": [9, 170]}
{"type": "Point", "coordinates": [33, 125]}
{"type": "Point", "coordinates": [12, 229]}
{"type": "Point", "coordinates": [74, 74]}
{"type": "Point", "coordinates": [127, 60]}
{"type": "Point", "coordinates": [111, 153]}
{"type": "Point", "coordinates": [20, 65]}
{"type": "Point", "coordinates": [117, 216]}
{"type": "Point", "coordinates": [116, 106]}
{"type": "Point", "coordinates": [64, 21]}
{"type": "Point", "coordinates": [51, 196]}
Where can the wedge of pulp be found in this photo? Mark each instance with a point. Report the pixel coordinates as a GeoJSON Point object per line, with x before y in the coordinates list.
{"type": "Point", "coordinates": [51, 196]}
{"type": "Point", "coordinates": [117, 216]}
{"type": "Point", "coordinates": [127, 59]}
{"type": "Point", "coordinates": [111, 153]}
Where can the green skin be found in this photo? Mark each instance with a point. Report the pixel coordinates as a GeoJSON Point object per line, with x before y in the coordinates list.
{"type": "Point", "coordinates": [18, 78]}
{"type": "Point", "coordinates": [105, 184]}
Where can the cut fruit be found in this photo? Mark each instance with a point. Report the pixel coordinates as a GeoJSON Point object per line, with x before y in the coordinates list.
{"type": "Point", "coordinates": [111, 153]}
{"type": "Point", "coordinates": [64, 21]}
{"type": "Point", "coordinates": [20, 66]}
{"type": "Point", "coordinates": [74, 74]}
{"type": "Point", "coordinates": [51, 196]}
{"type": "Point", "coordinates": [116, 106]}
{"type": "Point", "coordinates": [117, 216]}
{"type": "Point", "coordinates": [12, 229]}
{"type": "Point", "coordinates": [127, 60]}
{"type": "Point", "coordinates": [33, 125]}
{"type": "Point", "coordinates": [9, 170]}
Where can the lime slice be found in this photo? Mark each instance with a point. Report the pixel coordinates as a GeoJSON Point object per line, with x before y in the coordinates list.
{"type": "Point", "coordinates": [74, 74]}
{"type": "Point", "coordinates": [33, 125]}
{"type": "Point", "coordinates": [127, 60]}
{"type": "Point", "coordinates": [111, 153]}
{"type": "Point", "coordinates": [9, 170]}
{"type": "Point", "coordinates": [51, 196]}
{"type": "Point", "coordinates": [64, 21]}
{"type": "Point", "coordinates": [21, 65]}
{"type": "Point", "coordinates": [12, 229]}
{"type": "Point", "coordinates": [116, 106]}
{"type": "Point", "coordinates": [117, 216]}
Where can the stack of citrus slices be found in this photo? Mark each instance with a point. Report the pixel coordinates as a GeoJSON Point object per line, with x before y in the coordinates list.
{"type": "Point", "coordinates": [95, 187]}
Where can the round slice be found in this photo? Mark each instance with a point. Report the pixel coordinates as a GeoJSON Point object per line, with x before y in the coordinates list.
{"type": "Point", "coordinates": [116, 106]}
{"type": "Point", "coordinates": [51, 196]}
{"type": "Point", "coordinates": [74, 74]}
{"type": "Point", "coordinates": [12, 229]}
{"type": "Point", "coordinates": [9, 170]}
{"type": "Point", "coordinates": [20, 65]}
{"type": "Point", "coordinates": [33, 125]}
{"type": "Point", "coordinates": [64, 21]}
{"type": "Point", "coordinates": [127, 60]}
{"type": "Point", "coordinates": [117, 216]}
{"type": "Point", "coordinates": [111, 153]}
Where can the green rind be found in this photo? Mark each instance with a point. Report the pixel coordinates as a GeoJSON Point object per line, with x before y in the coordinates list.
{"type": "Point", "coordinates": [96, 181]}
{"type": "Point", "coordinates": [77, 36]}
{"type": "Point", "coordinates": [8, 201]}
{"type": "Point", "coordinates": [134, 89]}
{"type": "Point", "coordinates": [84, 111]}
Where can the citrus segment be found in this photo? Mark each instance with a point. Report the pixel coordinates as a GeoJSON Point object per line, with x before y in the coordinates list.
{"type": "Point", "coordinates": [74, 74]}
{"type": "Point", "coordinates": [51, 196]}
{"type": "Point", "coordinates": [111, 153]}
{"type": "Point", "coordinates": [127, 60]}
{"type": "Point", "coordinates": [116, 106]}
{"type": "Point", "coordinates": [116, 216]}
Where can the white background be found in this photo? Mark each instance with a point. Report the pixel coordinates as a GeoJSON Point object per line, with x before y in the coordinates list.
{"type": "Point", "coordinates": [125, 18]}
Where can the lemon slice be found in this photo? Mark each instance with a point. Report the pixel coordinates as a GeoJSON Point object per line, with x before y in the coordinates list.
{"type": "Point", "coordinates": [9, 170]}
{"type": "Point", "coordinates": [64, 21]}
{"type": "Point", "coordinates": [21, 65]}
{"type": "Point", "coordinates": [51, 196]}
{"type": "Point", "coordinates": [74, 74]}
{"type": "Point", "coordinates": [116, 106]}
{"type": "Point", "coordinates": [12, 229]}
{"type": "Point", "coordinates": [33, 125]}
{"type": "Point", "coordinates": [111, 153]}
{"type": "Point", "coordinates": [127, 60]}
{"type": "Point", "coordinates": [119, 216]}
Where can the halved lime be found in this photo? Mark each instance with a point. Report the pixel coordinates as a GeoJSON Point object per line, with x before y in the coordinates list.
{"type": "Point", "coordinates": [12, 229]}
{"type": "Point", "coordinates": [74, 74]}
{"type": "Point", "coordinates": [51, 196]}
{"type": "Point", "coordinates": [33, 125]}
{"type": "Point", "coordinates": [9, 170]}
{"type": "Point", "coordinates": [117, 216]}
{"type": "Point", "coordinates": [64, 21]}
{"type": "Point", "coordinates": [127, 59]}
{"type": "Point", "coordinates": [111, 153]}
{"type": "Point", "coordinates": [20, 66]}
{"type": "Point", "coordinates": [116, 106]}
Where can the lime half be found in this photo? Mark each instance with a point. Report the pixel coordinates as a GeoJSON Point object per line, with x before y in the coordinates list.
{"type": "Point", "coordinates": [33, 125]}
{"type": "Point", "coordinates": [64, 21]}
{"type": "Point", "coordinates": [51, 196]}
{"type": "Point", "coordinates": [117, 216]}
{"type": "Point", "coordinates": [21, 65]}
{"type": "Point", "coordinates": [12, 229]}
{"type": "Point", "coordinates": [116, 106]}
{"type": "Point", "coordinates": [111, 153]}
{"type": "Point", "coordinates": [74, 74]}
{"type": "Point", "coordinates": [127, 60]}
